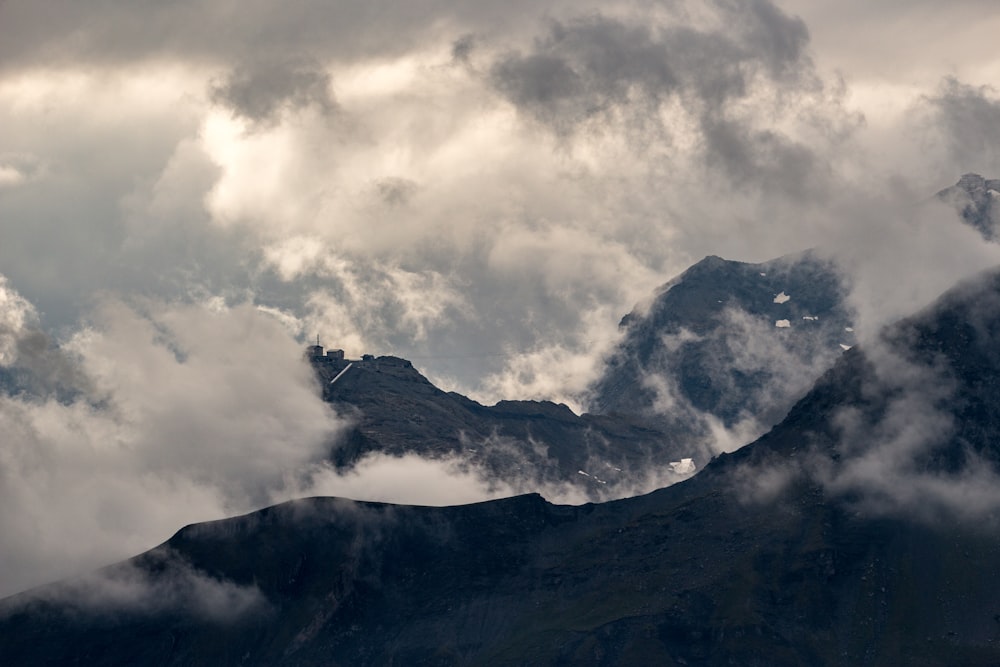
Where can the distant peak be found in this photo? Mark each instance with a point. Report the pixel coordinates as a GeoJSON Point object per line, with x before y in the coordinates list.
{"type": "Point", "coordinates": [974, 198]}
{"type": "Point", "coordinates": [974, 183]}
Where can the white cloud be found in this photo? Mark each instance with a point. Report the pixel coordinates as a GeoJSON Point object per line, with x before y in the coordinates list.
{"type": "Point", "coordinates": [194, 413]}
{"type": "Point", "coordinates": [408, 479]}
{"type": "Point", "coordinates": [172, 586]}
{"type": "Point", "coordinates": [16, 315]}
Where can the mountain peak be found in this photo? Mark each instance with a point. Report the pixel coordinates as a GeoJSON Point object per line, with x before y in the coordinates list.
{"type": "Point", "coordinates": [717, 344]}
{"type": "Point", "coordinates": [975, 199]}
{"type": "Point", "coordinates": [972, 182]}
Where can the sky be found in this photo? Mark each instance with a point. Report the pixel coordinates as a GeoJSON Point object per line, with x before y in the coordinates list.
{"type": "Point", "coordinates": [190, 191]}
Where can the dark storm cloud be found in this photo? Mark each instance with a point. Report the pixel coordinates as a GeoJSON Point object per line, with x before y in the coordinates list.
{"type": "Point", "coordinates": [761, 158]}
{"type": "Point", "coordinates": [260, 91]}
{"type": "Point", "coordinates": [602, 68]}
{"type": "Point", "coordinates": [395, 191]}
{"type": "Point", "coordinates": [778, 38]}
{"type": "Point", "coordinates": [107, 33]}
{"type": "Point", "coordinates": [969, 118]}
{"type": "Point", "coordinates": [587, 66]}
{"type": "Point", "coordinates": [462, 48]}
{"type": "Point", "coordinates": [195, 215]}
{"type": "Point", "coordinates": [44, 370]}
{"type": "Point", "coordinates": [583, 68]}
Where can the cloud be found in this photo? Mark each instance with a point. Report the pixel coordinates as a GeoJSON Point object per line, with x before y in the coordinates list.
{"type": "Point", "coordinates": [17, 169]}
{"type": "Point", "coordinates": [435, 213]}
{"type": "Point", "coordinates": [433, 171]}
{"type": "Point", "coordinates": [260, 91]}
{"type": "Point", "coordinates": [639, 78]}
{"type": "Point", "coordinates": [888, 236]}
{"type": "Point", "coordinates": [903, 427]}
{"type": "Point", "coordinates": [900, 44]}
{"type": "Point", "coordinates": [190, 412]}
{"type": "Point", "coordinates": [742, 377]}
{"type": "Point", "coordinates": [182, 412]}
{"type": "Point", "coordinates": [496, 467]}
{"type": "Point", "coordinates": [594, 65]}
{"type": "Point", "coordinates": [16, 315]}
{"type": "Point", "coordinates": [967, 119]}
{"type": "Point", "coordinates": [889, 459]}
{"type": "Point", "coordinates": [162, 583]}
{"type": "Point", "coordinates": [409, 479]}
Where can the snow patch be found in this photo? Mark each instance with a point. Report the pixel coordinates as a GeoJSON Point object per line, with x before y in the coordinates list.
{"type": "Point", "coordinates": [593, 477]}
{"type": "Point", "coordinates": [782, 324]}
{"type": "Point", "coordinates": [849, 329]}
{"type": "Point", "coordinates": [683, 467]}
{"type": "Point", "coordinates": [782, 298]}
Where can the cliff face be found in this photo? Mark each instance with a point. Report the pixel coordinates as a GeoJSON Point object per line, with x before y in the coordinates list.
{"type": "Point", "coordinates": [777, 554]}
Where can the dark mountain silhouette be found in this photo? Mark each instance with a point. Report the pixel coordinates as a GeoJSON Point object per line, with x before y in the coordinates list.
{"type": "Point", "coordinates": [397, 411]}
{"type": "Point", "coordinates": [776, 554]}
{"type": "Point", "coordinates": [728, 342]}
{"type": "Point", "coordinates": [710, 339]}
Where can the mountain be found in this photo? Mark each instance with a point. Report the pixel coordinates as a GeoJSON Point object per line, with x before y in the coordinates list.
{"type": "Point", "coordinates": [718, 356]}
{"type": "Point", "coordinates": [975, 198]}
{"type": "Point", "coordinates": [396, 411]}
{"type": "Point", "coordinates": [792, 550]}
{"type": "Point", "coordinates": [727, 343]}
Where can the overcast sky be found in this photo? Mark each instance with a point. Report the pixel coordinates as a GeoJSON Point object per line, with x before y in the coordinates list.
{"type": "Point", "coordinates": [191, 187]}
{"type": "Point", "coordinates": [485, 189]}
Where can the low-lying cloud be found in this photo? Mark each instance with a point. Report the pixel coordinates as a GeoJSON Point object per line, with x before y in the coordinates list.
{"type": "Point", "coordinates": [912, 434]}
{"type": "Point", "coordinates": [187, 412]}
{"type": "Point", "coordinates": [163, 583]}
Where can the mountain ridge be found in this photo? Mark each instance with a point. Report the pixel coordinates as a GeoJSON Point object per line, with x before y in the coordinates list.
{"type": "Point", "coordinates": [722, 568]}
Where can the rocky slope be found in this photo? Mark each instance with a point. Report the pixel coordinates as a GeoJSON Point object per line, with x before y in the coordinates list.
{"type": "Point", "coordinates": [781, 553]}
{"type": "Point", "coordinates": [727, 344]}
{"type": "Point", "coordinates": [397, 411]}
